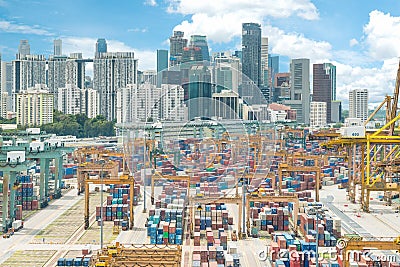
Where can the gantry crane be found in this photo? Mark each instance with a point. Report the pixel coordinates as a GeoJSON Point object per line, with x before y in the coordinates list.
{"type": "Point", "coordinates": [221, 200]}
{"type": "Point", "coordinates": [110, 167]}
{"type": "Point", "coordinates": [158, 176]}
{"type": "Point", "coordinates": [349, 245]}
{"type": "Point", "coordinates": [139, 255]}
{"type": "Point", "coordinates": [371, 156]}
{"type": "Point", "coordinates": [124, 178]}
{"type": "Point", "coordinates": [284, 167]}
{"type": "Point", "coordinates": [264, 199]}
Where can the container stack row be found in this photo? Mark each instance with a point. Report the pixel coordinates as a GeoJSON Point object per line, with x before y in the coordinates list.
{"type": "Point", "coordinates": [78, 261]}
{"type": "Point", "coordinates": [327, 231]}
{"type": "Point", "coordinates": [27, 193]}
{"type": "Point", "coordinates": [165, 226]}
{"type": "Point", "coordinates": [215, 256]}
{"type": "Point", "coordinates": [269, 217]}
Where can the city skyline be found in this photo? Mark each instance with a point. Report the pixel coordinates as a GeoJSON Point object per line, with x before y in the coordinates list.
{"type": "Point", "coordinates": [360, 43]}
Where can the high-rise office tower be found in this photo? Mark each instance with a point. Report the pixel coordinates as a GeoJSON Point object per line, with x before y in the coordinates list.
{"type": "Point", "coordinates": [264, 61]}
{"type": "Point", "coordinates": [24, 48]}
{"type": "Point", "coordinates": [113, 70]}
{"type": "Point", "coordinates": [324, 86]}
{"type": "Point", "coordinates": [201, 42]}
{"type": "Point", "coordinates": [273, 68]}
{"type": "Point", "coordinates": [227, 73]}
{"type": "Point", "coordinates": [34, 106]}
{"type": "Point", "coordinates": [199, 92]}
{"type": "Point", "coordinates": [58, 47]}
{"type": "Point", "coordinates": [192, 54]}
{"type": "Point", "coordinates": [176, 45]}
{"type": "Point", "coordinates": [101, 46]}
{"type": "Point", "coordinates": [300, 89]}
{"type": "Point", "coordinates": [251, 52]}
{"type": "Point", "coordinates": [358, 104]}
{"type": "Point", "coordinates": [162, 64]}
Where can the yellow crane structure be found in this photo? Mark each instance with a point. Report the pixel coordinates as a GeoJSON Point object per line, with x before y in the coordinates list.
{"type": "Point", "coordinates": [284, 167]}
{"type": "Point", "coordinates": [286, 198]}
{"type": "Point", "coordinates": [221, 200]}
{"type": "Point", "coordinates": [110, 168]}
{"type": "Point", "coordinates": [138, 255]}
{"type": "Point", "coordinates": [359, 244]}
{"type": "Point", "coordinates": [371, 157]}
{"type": "Point", "coordinates": [125, 178]}
{"type": "Point", "coordinates": [158, 176]}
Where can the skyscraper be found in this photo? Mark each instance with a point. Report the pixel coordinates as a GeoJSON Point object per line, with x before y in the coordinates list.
{"type": "Point", "coordinates": [162, 64]}
{"type": "Point", "coordinates": [27, 71]}
{"type": "Point", "coordinates": [201, 42]}
{"type": "Point", "coordinates": [101, 46]}
{"type": "Point", "coordinates": [358, 104]}
{"type": "Point", "coordinates": [111, 71]}
{"type": "Point", "coordinates": [24, 48]}
{"type": "Point", "coordinates": [58, 47]}
{"type": "Point", "coordinates": [273, 68]}
{"type": "Point", "coordinates": [56, 75]}
{"type": "Point", "coordinates": [251, 52]}
{"type": "Point", "coordinates": [300, 89]}
{"type": "Point", "coordinates": [264, 61]}
{"type": "Point", "coordinates": [324, 86]}
{"type": "Point", "coordinates": [176, 45]}
{"type": "Point", "coordinates": [7, 83]}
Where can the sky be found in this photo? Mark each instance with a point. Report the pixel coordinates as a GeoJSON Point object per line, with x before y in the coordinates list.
{"type": "Point", "coordinates": [360, 37]}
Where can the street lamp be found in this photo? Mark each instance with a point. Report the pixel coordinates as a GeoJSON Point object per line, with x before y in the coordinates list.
{"type": "Point", "coordinates": [101, 203]}
{"type": "Point", "coordinates": [318, 211]}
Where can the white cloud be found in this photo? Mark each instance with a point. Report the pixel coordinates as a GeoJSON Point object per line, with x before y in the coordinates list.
{"type": "Point", "coordinates": [87, 45]}
{"type": "Point", "coordinates": [221, 22]}
{"type": "Point", "coordinates": [382, 35]}
{"type": "Point", "coordinates": [353, 42]}
{"type": "Point", "coordinates": [295, 45]}
{"type": "Point", "coordinates": [150, 2]}
{"type": "Point", "coordinates": [256, 8]}
{"type": "Point", "coordinates": [379, 81]}
{"type": "Point", "coordinates": [10, 26]}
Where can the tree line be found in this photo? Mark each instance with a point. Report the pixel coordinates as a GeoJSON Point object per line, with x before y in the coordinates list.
{"type": "Point", "coordinates": [79, 125]}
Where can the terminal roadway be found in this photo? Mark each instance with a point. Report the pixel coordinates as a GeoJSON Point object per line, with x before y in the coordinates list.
{"type": "Point", "coordinates": [21, 239]}
{"type": "Point", "coordinates": [348, 224]}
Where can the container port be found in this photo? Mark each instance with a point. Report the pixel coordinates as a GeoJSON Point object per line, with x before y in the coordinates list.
{"type": "Point", "coordinates": [276, 197]}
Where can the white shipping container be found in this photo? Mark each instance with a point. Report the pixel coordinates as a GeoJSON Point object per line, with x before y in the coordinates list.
{"type": "Point", "coordinates": [37, 146]}
{"type": "Point", "coordinates": [33, 130]}
{"type": "Point", "coordinates": [14, 156]}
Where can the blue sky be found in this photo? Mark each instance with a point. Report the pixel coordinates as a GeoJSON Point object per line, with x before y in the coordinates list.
{"type": "Point", "coordinates": [360, 37]}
